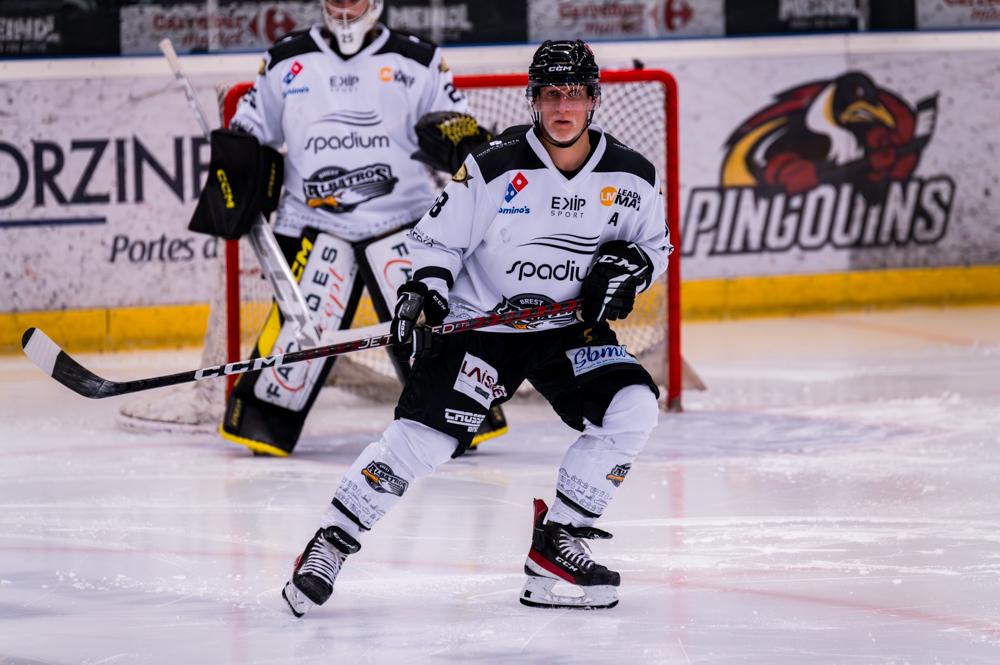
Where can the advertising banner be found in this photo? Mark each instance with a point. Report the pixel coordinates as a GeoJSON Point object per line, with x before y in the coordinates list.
{"type": "Point", "coordinates": [458, 22]}
{"type": "Point", "coordinates": [198, 28]}
{"type": "Point", "coordinates": [56, 27]}
{"type": "Point", "coordinates": [830, 163]}
{"type": "Point", "coordinates": [624, 19]}
{"type": "Point", "coordinates": [824, 162]}
{"type": "Point", "coordinates": [933, 14]}
{"type": "Point", "coordinates": [98, 178]}
{"type": "Point", "coordinates": [767, 17]}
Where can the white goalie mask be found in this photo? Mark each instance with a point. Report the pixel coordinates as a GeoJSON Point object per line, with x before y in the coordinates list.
{"type": "Point", "coordinates": [350, 21]}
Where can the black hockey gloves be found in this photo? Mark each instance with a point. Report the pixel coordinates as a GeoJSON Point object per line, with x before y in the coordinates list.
{"type": "Point", "coordinates": [446, 138]}
{"type": "Point", "coordinates": [244, 180]}
{"type": "Point", "coordinates": [620, 270]}
{"type": "Point", "coordinates": [416, 299]}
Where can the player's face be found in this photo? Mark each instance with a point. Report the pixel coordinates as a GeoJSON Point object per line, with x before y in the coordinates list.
{"type": "Point", "coordinates": [564, 110]}
{"type": "Point", "coordinates": [345, 10]}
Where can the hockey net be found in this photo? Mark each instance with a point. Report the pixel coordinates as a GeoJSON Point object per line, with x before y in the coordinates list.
{"type": "Point", "coordinates": [639, 107]}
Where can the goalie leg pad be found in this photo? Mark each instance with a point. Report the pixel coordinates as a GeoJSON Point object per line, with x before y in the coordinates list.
{"type": "Point", "coordinates": [383, 472]}
{"type": "Point", "coordinates": [267, 410]}
{"type": "Point", "coordinates": [596, 464]}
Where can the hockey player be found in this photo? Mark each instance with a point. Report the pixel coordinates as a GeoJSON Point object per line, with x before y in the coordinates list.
{"type": "Point", "coordinates": [546, 212]}
{"type": "Point", "coordinates": [352, 101]}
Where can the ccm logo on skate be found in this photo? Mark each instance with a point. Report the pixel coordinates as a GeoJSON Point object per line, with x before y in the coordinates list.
{"type": "Point", "coordinates": [589, 358]}
{"type": "Point", "coordinates": [566, 564]}
{"type": "Point", "coordinates": [478, 380]}
{"type": "Point", "coordinates": [381, 479]}
{"type": "Point", "coordinates": [471, 421]}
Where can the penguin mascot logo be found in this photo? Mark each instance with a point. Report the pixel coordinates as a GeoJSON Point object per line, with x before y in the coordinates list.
{"type": "Point", "coordinates": [827, 164]}
{"type": "Point", "coordinates": [845, 129]}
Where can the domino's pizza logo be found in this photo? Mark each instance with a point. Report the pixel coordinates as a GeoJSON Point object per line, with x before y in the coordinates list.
{"type": "Point", "coordinates": [514, 186]}
{"type": "Point", "coordinates": [292, 73]}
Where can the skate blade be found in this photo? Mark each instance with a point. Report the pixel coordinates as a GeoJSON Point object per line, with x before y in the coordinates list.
{"type": "Point", "coordinates": [537, 592]}
{"type": "Point", "coordinates": [297, 601]}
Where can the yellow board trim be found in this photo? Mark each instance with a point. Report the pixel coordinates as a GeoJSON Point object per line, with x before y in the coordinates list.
{"type": "Point", "coordinates": [120, 329]}
{"type": "Point", "coordinates": [795, 294]}
{"type": "Point", "coordinates": [176, 326]}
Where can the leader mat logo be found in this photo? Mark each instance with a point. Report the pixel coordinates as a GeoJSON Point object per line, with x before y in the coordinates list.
{"type": "Point", "coordinates": [625, 198]}
{"type": "Point", "coordinates": [828, 163]}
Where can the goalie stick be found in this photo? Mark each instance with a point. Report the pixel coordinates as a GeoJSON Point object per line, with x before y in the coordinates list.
{"type": "Point", "coordinates": [286, 292]}
{"type": "Point", "coordinates": [55, 362]}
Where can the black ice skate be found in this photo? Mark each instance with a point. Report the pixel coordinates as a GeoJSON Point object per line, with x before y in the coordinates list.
{"type": "Point", "coordinates": [558, 554]}
{"type": "Point", "coordinates": [317, 568]}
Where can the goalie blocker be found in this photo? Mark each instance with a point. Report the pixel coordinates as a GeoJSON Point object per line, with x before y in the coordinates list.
{"type": "Point", "coordinates": [244, 181]}
{"type": "Point", "coordinates": [267, 409]}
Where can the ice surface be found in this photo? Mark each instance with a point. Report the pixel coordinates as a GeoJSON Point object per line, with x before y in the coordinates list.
{"type": "Point", "coordinates": [833, 498]}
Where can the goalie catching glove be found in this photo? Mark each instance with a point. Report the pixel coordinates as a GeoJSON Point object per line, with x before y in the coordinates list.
{"type": "Point", "coordinates": [417, 308]}
{"type": "Point", "coordinates": [244, 180]}
{"type": "Point", "coordinates": [446, 138]}
{"type": "Point", "coordinates": [620, 270]}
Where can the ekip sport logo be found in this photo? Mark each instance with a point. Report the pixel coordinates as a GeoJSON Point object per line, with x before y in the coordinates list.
{"type": "Point", "coordinates": [829, 163]}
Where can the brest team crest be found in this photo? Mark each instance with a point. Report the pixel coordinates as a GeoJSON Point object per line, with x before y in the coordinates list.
{"type": "Point", "coordinates": [828, 163]}
{"type": "Point", "coordinates": [527, 301]}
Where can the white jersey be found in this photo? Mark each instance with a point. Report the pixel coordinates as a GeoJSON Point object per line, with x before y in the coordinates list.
{"type": "Point", "coordinates": [511, 231]}
{"type": "Point", "coordinates": [348, 126]}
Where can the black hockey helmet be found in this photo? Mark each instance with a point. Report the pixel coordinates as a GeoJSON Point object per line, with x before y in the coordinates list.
{"type": "Point", "coordinates": [563, 62]}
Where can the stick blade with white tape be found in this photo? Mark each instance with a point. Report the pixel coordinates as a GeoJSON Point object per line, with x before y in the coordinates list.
{"type": "Point", "coordinates": [52, 360]}
{"type": "Point", "coordinates": [58, 364]}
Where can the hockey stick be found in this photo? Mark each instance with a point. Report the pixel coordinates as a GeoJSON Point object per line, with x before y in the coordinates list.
{"type": "Point", "coordinates": [60, 366]}
{"type": "Point", "coordinates": [286, 291]}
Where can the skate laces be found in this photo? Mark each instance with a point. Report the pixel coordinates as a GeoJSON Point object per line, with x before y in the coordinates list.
{"type": "Point", "coordinates": [575, 550]}
{"type": "Point", "coordinates": [322, 559]}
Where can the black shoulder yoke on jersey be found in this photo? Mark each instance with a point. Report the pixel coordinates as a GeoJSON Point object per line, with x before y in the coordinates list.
{"type": "Point", "coordinates": [508, 151]}
{"type": "Point", "coordinates": [409, 46]}
{"type": "Point", "coordinates": [295, 43]}
{"type": "Point", "coordinates": [619, 158]}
